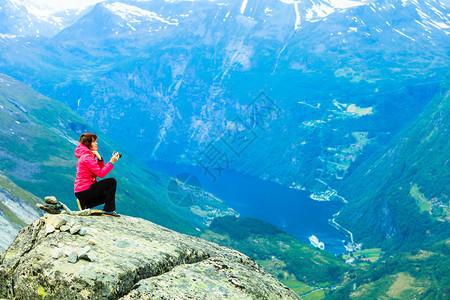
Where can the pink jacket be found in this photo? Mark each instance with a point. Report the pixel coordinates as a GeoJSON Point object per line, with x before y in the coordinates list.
{"type": "Point", "coordinates": [88, 168]}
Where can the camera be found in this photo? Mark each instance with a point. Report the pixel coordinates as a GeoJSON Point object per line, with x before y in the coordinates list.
{"type": "Point", "coordinates": [120, 154]}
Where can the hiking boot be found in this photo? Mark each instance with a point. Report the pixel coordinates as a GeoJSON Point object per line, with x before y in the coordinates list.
{"type": "Point", "coordinates": [79, 205]}
{"type": "Point", "coordinates": [111, 214]}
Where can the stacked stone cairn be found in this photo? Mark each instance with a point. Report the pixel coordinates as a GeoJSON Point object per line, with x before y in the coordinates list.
{"type": "Point", "coordinates": [55, 207]}
{"type": "Point", "coordinates": [55, 222]}
{"type": "Point", "coordinates": [52, 206]}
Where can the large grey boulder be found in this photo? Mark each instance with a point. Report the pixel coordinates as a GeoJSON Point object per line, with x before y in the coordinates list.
{"type": "Point", "coordinates": [134, 259]}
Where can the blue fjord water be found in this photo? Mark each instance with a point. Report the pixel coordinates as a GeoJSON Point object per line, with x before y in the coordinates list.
{"type": "Point", "coordinates": [289, 209]}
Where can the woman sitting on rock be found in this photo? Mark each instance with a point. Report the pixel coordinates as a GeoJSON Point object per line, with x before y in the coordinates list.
{"type": "Point", "coordinates": [88, 190]}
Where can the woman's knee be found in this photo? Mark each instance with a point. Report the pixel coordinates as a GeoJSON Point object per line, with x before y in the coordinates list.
{"type": "Point", "coordinates": [112, 181]}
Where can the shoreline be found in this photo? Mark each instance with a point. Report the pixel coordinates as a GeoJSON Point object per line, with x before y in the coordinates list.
{"type": "Point", "coordinates": [353, 246]}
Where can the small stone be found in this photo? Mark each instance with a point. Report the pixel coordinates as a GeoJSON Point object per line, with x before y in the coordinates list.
{"type": "Point", "coordinates": [89, 257]}
{"type": "Point", "coordinates": [48, 208]}
{"type": "Point", "coordinates": [82, 231]}
{"type": "Point", "coordinates": [56, 220]}
{"type": "Point", "coordinates": [84, 212]}
{"type": "Point", "coordinates": [49, 229]}
{"type": "Point", "coordinates": [64, 228]}
{"type": "Point", "coordinates": [92, 242]}
{"type": "Point", "coordinates": [73, 257]}
{"type": "Point", "coordinates": [51, 200]}
{"type": "Point", "coordinates": [57, 253]}
{"type": "Point", "coordinates": [84, 251]}
{"type": "Point", "coordinates": [53, 206]}
{"type": "Point", "coordinates": [75, 229]}
{"type": "Point", "coordinates": [67, 210]}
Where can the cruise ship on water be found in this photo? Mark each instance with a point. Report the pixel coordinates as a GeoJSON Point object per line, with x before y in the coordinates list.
{"type": "Point", "coordinates": [315, 242]}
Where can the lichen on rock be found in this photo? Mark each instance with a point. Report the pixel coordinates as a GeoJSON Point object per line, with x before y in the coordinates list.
{"type": "Point", "coordinates": [130, 259]}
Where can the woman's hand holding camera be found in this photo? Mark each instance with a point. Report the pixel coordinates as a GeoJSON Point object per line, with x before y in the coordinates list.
{"type": "Point", "coordinates": [115, 157]}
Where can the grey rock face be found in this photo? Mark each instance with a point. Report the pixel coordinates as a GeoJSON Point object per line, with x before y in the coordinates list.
{"type": "Point", "coordinates": [131, 259]}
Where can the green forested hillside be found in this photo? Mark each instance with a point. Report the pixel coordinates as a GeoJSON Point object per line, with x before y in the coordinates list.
{"type": "Point", "coordinates": [420, 274]}
{"type": "Point", "coordinates": [300, 266]}
{"type": "Point", "coordinates": [399, 198]}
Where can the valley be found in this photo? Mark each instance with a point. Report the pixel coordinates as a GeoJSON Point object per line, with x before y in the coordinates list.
{"type": "Point", "coordinates": [289, 209]}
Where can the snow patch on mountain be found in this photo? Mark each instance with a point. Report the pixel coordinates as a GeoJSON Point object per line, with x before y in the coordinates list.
{"type": "Point", "coordinates": [7, 36]}
{"type": "Point", "coordinates": [442, 24]}
{"type": "Point", "coordinates": [404, 35]}
{"type": "Point", "coordinates": [46, 9]}
{"type": "Point", "coordinates": [345, 3]}
{"type": "Point", "coordinates": [46, 17]}
{"type": "Point", "coordinates": [336, 4]}
{"type": "Point", "coordinates": [298, 19]}
{"type": "Point", "coordinates": [318, 10]}
{"type": "Point", "coordinates": [134, 14]}
{"type": "Point", "coordinates": [243, 6]}
{"type": "Point", "coordinates": [172, 1]}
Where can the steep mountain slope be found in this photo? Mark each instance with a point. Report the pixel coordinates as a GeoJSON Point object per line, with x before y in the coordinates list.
{"type": "Point", "coordinates": [37, 141]}
{"type": "Point", "coordinates": [17, 209]}
{"type": "Point", "coordinates": [399, 197]}
{"type": "Point", "coordinates": [176, 74]}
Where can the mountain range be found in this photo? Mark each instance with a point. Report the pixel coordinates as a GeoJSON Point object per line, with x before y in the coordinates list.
{"type": "Point", "coordinates": [175, 75]}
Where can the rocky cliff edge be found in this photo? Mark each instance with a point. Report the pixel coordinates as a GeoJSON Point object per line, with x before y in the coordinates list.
{"type": "Point", "coordinates": [101, 257]}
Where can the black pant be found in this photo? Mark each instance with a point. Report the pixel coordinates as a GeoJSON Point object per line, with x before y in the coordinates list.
{"type": "Point", "coordinates": [103, 191]}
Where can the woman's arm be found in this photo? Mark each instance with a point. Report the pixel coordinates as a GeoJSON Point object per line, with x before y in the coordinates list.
{"type": "Point", "coordinates": [100, 160]}
{"type": "Point", "coordinates": [96, 168]}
